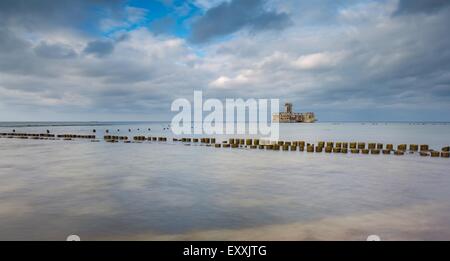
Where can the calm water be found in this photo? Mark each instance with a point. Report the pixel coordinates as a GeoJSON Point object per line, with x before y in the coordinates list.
{"type": "Point", "coordinates": [147, 191]}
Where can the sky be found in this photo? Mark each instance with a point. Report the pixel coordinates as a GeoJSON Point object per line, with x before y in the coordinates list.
{"type": "Point", "coordinates": [116, 60]}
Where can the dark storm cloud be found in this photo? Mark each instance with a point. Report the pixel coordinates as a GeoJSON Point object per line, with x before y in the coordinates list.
{"type": "Point", "coordinates": [54, 51]}
{"type": "Point", "coordinates": [420, 6]}
{"type": "Point", "coordinates": [230, 17]}
{"type": "Point", "coordinates": [40, 14]}
{"type": "Point", "coordinates": [99, 48]}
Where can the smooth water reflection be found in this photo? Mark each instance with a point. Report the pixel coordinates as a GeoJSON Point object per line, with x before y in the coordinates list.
{"type": "Point", "coordinates": [50, 189]}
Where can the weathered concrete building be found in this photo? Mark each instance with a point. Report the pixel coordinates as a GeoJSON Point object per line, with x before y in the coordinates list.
{"type": "Point", "coordinates": [289, 116]}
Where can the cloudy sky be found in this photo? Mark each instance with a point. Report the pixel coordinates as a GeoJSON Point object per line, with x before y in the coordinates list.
{"type": "Point", "coordinates": [128, 60]}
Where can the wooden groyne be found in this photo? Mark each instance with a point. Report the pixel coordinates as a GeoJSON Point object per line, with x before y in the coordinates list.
{"type": "Point", "coordinates": [45, 136]}
{"type": "Point", "coordinates": [365, 148]}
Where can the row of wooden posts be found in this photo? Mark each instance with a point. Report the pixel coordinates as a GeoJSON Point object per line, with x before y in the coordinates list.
{"type": "Point", "coordinates": [338, 147]}
{"type": "Point", "coordinates": [321, 146]}
{"type": "Point", "coordinates": [45, 135]}
{"type": "Point", "coordinates": [111, 138]}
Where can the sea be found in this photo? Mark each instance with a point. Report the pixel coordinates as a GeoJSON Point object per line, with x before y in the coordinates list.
{"type": "Point", "coordinates": [50, 189]}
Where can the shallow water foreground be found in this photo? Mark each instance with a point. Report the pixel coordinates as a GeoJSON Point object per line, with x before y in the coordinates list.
{"type": "Point", "coordinates": [154, 191]}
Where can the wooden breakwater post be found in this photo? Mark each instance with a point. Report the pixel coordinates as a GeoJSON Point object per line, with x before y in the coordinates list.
{"type": "Point", "coordinates": [301, 145]}
{"type": "Point", "coordinates": [434, 153]}
{"type": "Point", "coordinates": [399, 152]}
{"type": "Point", "coordinates": [424, 154]}
{"type": "Point", "coordinates": [114, 138]}
{"type": "Point", "coordinates": [139, 138]}
{"type": "Point", "coordinates": [319, 149]}
{"type": "Point", "coordinates": [445, 153]}
{"type": "Point", "coordinates": [337, 149]}
{"type": "Point", "coordinates": [354, 151]}
{"type": "Point", "coordinates": [402, 147]}
{"type": "Point", "coordinates": [424, 147]}
{"type": "Point", "coordinates": [375, 151]}
{"type": "Point", "coordinates": [413, 147]}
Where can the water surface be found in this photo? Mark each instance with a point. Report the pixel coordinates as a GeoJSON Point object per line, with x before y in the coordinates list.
{"type": "Point", "coordinates": [149, 191]}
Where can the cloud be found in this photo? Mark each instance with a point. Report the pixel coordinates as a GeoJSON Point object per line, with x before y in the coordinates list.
{"type": "Point", "coordinates": [99, 48]}
{"type": "Point", "coordinates": [386, 64]}
{"type": "Point", "coordinates": [318, 60]}
{"type": "Point", "coordinates": [48, 14]}
{"type": "Point", "coordinates": [131, 80]}
{"type": "Point", "coordinates": [135, 14]}
{"type": "Point", "coordinates": [124, 20]}
{"type": "Point", "coordinates": [163, 26]}
{"type": "Point", "coordinates": [363, 63]}
{"type": "Point", "coordinates": [207, 4]}
{"type": "Point", "coordinates": [420, 6]}
{"type": "Point", "coordinates": [239, 81]}
{"type": "Point", "coordinates": [230, 17]}
{"type": "Point", "coordinates": [54, 51]}
{"type": "Point", "coordinates": [10, 42]}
